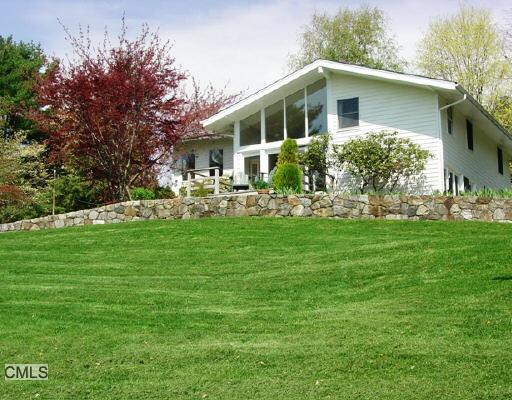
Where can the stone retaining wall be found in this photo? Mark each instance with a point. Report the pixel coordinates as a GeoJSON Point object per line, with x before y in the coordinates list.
{"type": "Point", "coordinates": [318, 205]}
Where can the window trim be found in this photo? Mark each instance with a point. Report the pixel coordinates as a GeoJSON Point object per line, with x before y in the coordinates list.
{"type": "Point", "coordinates": [340, 127]}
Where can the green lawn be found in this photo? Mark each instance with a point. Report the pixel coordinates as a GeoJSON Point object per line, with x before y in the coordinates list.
{"type": "Point", "coordinates": [260, 308]}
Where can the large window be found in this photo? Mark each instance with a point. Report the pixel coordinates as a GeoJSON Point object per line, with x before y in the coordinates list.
{"type": "Point", "coordinates": [317, 107]}
{"type": "Point", "coordinates": [348, 112]}
{"type": "Point", "coordinates": [295, 115]}
{"type": "Point", "coordinates": [469, 134]}
{"type": "Point", "coordinates": [250, 130]}
{"type": "Point", "coordinates": [216, 160]}
{"type": "Point", "coordinates": [274, 122]}
{"type": "Point", "coordinates": [188, 161]}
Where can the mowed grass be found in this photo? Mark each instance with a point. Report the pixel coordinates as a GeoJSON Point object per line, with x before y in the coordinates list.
{"type": "Point", "coordinates": [260, 308]}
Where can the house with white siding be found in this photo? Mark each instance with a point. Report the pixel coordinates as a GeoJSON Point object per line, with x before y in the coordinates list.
{"type": "Point", "coordinates": [470, 149]}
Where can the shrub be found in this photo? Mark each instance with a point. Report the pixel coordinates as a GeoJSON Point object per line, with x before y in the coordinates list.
{"type": "Point", "coordinates": [260, 184]}
{"type": "Point", "coordinates": [140, 193]}
{"type": "Point", "coordinates": [381, 160]}
{"type": "Point", "coordinates": [289, 153]}
{"type": "Point", "coordinates": [288, 176]}
{"type": "Point", "coordinates": [164, 192]}
{"type": "Point", "coordinates": [490, 193]}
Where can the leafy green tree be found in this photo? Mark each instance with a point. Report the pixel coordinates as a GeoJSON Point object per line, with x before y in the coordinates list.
{"type": "Point", "coordinates": [467, 48]}
{"type": "Point", "coordinates": [503, 112]}
{"type": "Point", "coordinates": [22, 178]}
{"type": "Point", "coordinates": [380, 161]}
{"type": "Point", "coordinates": [350, 36]}
{"type": "Point", "coordinates": [20, 65]}
{"type": "Point", "coordinates": [317, 161]}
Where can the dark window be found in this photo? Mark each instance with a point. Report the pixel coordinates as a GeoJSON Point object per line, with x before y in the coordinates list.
{"type": "Point", "coordinates": [449, 114]}
{"type": "Point", "coordinates": [317, 107]}
{"type": "Point", "coordinates": [217, 160]}
{"type": "Point", "coordinates": [274, 122]}
{"type": "Point", "coordinates": [348, 112]}
{"type": "Point", "coordinates": [188, 161]}
{"type": "Point", "coordinates": [469, 134]}
{"type": "Point", "coordinates": [500, 161]}
{"type": "Point", "coordinates": [450, 182]}
{"type": "Point", "coordinates": [467, 184]}
{"type": "Point", "coordinates": [456, 185]}
{"type": "Point", "coordinates": [272, 161]}
{"type": "Point", "coordinates": [295, 115]}
{"type": "Point", "coordinates": [250, 130]}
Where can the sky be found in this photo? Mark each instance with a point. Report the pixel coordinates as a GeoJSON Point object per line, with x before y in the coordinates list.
{"type": "Point", "coordinates": [239, 45]}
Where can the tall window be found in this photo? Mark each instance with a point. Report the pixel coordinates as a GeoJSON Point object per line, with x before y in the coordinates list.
{"type": "Point", "coordinates": [348, 112]}
{"type": "Point", "coordinates": [317, 107]}
{"type": "Point", "coordinates": [188, 161]}
{"type": "Point", "coordinates": [500, 161]}
{"type": "Point", "coordinates": [449, 115]}
{"type": "Point", "coordinates": [274, 122]}
{"type": "Point", "coordinates": [216, 160]}
{"type": "Point", "coordinates": [469, 134]}
{"type": "Point", "coordinates": [295, 115]}
{"type": "Point", "coordinates": [250, 130]}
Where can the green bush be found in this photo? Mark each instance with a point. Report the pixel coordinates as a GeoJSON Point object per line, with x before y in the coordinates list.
{"type": "Point", "coordinates": [288, 176]}
{"type": "Point", "coordinates": [164, 192]}
{"type": "Point", "coordinates": [289, 153]}
{"type": "Point", "coordinates": [260, 184]}
{"type": "Point", "coordinates": [140, 193]}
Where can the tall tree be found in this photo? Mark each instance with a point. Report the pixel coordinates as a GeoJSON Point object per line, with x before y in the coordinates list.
{"type": "Point", "coordinates": [115, 113]}
{"type": "Point", "coordinates": [20, 64]}
{"type": "Point", "coordinates": [468, 48]}
{"type": "Point", "coordinates": [351, 36]}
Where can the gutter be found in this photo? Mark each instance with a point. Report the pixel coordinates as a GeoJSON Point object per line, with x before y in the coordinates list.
{"type": "Point", "coordinates": [455, 102]}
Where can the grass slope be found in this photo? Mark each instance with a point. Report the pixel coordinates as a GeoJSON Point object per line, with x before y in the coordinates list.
{"type": "Point", "coordinates": [260, 308]}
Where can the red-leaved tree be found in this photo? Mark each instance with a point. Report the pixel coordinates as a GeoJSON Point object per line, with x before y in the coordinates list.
{"type": "Point", "coordinates": [114, 112]}
{"type": "Point", "coordinates": [202, 103]}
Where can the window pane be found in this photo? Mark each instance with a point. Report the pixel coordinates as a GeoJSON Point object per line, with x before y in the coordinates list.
{"type": "Point", "coordinates": [317, 107]}
{"type": "Point", "coordinates": [295, 116]}
{"type": "Point", "coordinates": [500, 161]}
{"type": "Point", "coordinates": [274, 122]}
{"type": "Point", "coordinates": [188, 161]}
{"type": "Point", "coordinates": [469, 134]}
{"type": "Point", "coordinates": [350, 105]}
{"type": "Point", "coordinates": [216, 160]}
{"type": "Point", "coordinates": [250, 130]}
{"type": "Point", "coordinates": [348, 112]}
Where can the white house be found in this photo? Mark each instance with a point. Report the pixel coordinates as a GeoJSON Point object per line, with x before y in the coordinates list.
{"type": "Point", "coordinates": [470, 149]}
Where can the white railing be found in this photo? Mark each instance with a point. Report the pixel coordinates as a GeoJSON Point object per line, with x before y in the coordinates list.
{"type": "Point", "coordinates": [203, 177]}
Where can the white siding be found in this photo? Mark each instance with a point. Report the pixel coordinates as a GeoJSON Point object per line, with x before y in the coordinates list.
{"type": "Point", "coordinates": [412, 112]}
{"type": "Point", "coordinates": [479, 165]}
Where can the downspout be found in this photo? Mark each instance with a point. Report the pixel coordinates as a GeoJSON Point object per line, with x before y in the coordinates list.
{"type": "Point", "coordinates": [441, 135]}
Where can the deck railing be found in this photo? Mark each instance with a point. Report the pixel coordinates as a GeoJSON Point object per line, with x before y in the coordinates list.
{"type": "Point", "coordinates": [202, 175]}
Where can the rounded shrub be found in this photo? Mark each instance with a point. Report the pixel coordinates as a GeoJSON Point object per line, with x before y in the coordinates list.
{"type": "Point", "coordinates": [288, 176]}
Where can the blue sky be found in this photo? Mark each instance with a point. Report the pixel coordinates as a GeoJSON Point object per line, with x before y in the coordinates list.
{"type": "Point", "coordinates": [243, 44]}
